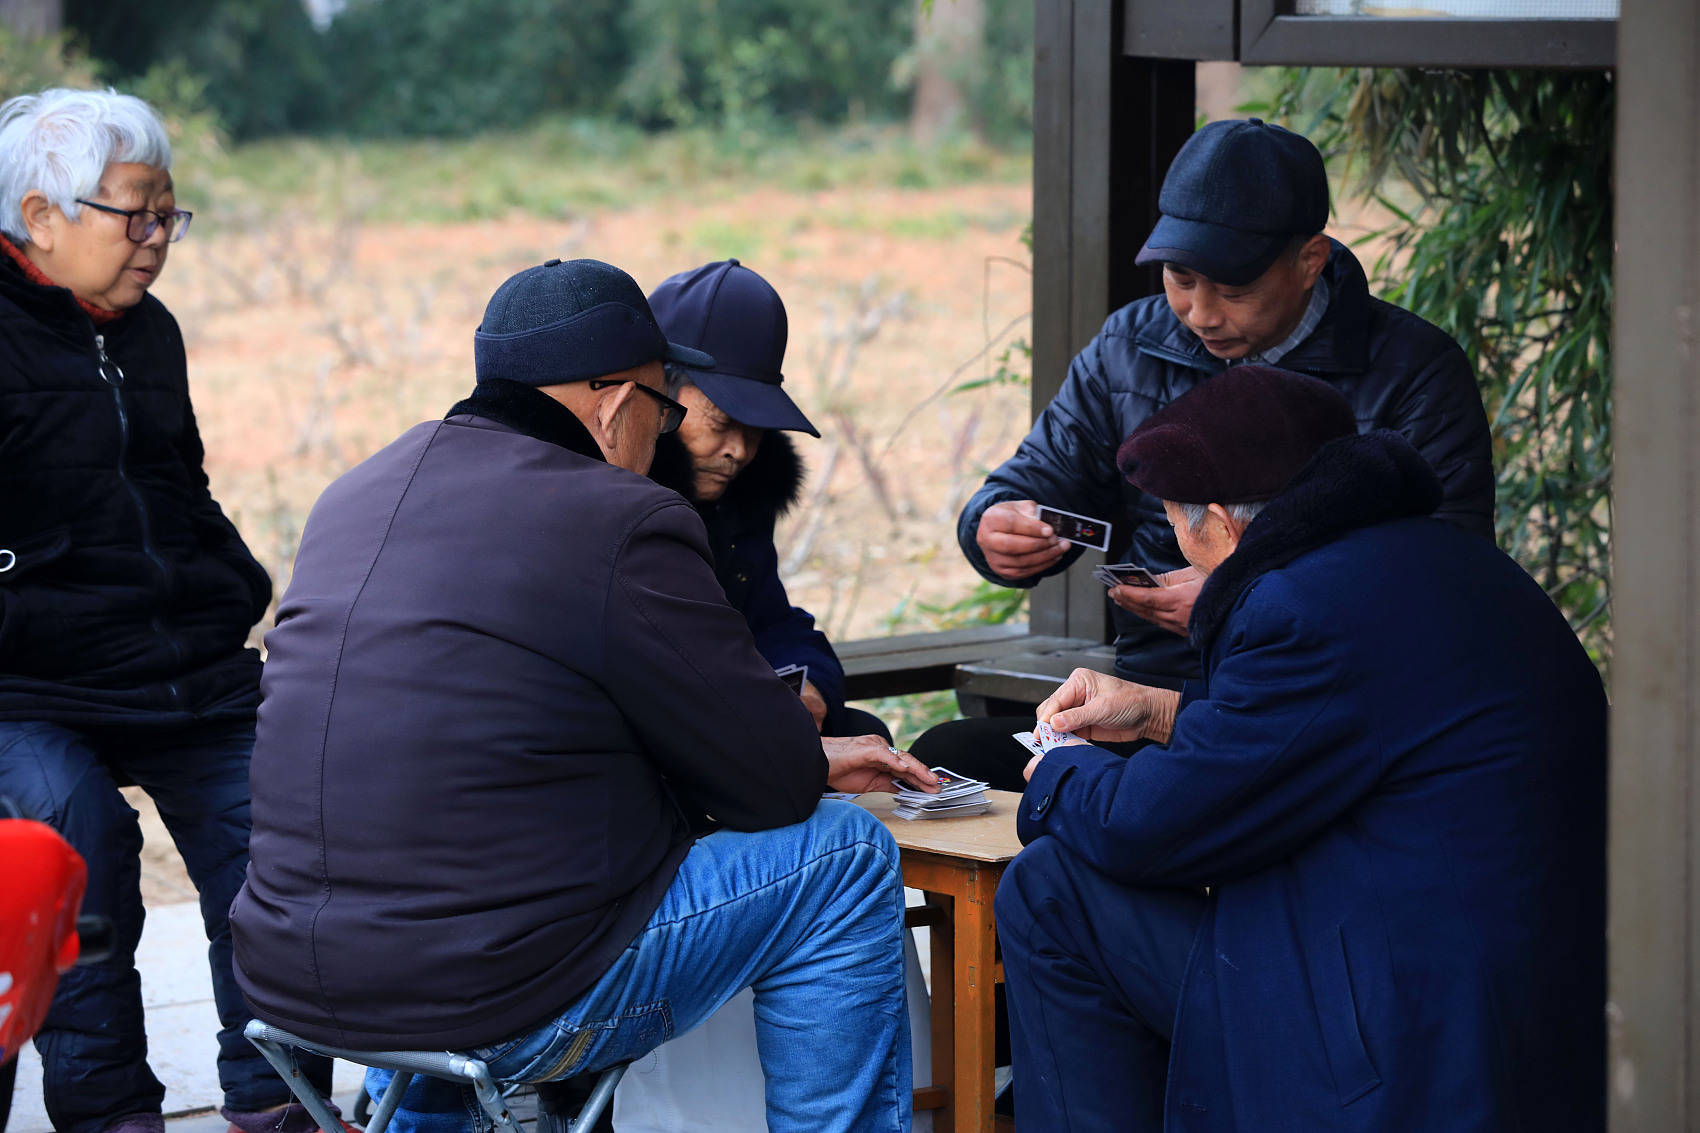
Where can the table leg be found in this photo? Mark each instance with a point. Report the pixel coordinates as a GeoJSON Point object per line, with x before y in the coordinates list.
{"type": "Point", "coordinates": [975, 1001]}
{"type": "Point", "coordinates": [943, 1008]}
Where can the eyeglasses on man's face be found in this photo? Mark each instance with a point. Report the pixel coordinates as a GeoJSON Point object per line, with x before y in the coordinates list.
{"type": "Point", "coordinates": [143, 223]}
{"type": "Point", "coordinates": [672, 413]}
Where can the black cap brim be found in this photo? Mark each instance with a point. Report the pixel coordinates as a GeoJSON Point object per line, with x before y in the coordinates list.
{"type": "Point", "coordinates": [748, 401]}
{"type": "Point", "coordinates": [685, 356]}
{"type": "Point", "coordinates": [1220, 254]}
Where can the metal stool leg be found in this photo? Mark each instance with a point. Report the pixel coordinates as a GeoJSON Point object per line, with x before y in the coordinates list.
{"type": "Point", "coordinates": [600, 1097]}
{"type": "Point", "coordinates": [283, 1061]}
{"type": "Point", "coordinates": [388, 1104]}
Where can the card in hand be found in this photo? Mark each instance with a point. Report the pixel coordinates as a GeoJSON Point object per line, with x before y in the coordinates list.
{"type": "Point", "coordinates": [1080, 529]}
{"type": "Point", "coordinates": [794, 677]}
{"type": "Point", "coordinates": [1125, 574]}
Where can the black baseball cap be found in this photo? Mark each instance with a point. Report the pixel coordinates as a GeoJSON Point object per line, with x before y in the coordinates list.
{"type": "Point", "coordinates": [569, 321]}
{"type": "Point", "coordinates": [1236, 195]}
{"type": "Point", "coordinates": [736, 315]}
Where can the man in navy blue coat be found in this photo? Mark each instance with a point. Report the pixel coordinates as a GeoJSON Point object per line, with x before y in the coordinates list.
{"type": "Point", "coordinates": [1356, 882]}
{"type": "Point", "coordinates": [731, 458]}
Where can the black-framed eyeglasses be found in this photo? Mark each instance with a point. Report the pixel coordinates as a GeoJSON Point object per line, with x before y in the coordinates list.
{"type": "Point", "coordinates": [141, 224]}
{"type": "Point", "coordinates": [672, 413]}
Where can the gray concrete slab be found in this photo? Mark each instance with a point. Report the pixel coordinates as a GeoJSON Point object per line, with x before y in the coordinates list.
{"type": "Point", "coordinates": [182, 1028]}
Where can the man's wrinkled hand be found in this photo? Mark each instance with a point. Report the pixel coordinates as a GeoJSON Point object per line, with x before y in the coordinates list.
{"type": "Point", "coordinates": [1102, 708]}
{"type": "Point", "coordinates": [1169, 605]}
{"type": "Point", "coordinates": [815, 703]}
{"type": "Point", "coordinates": [867, 763]}
{"type": "Point", "coordinates": [1016, 544]}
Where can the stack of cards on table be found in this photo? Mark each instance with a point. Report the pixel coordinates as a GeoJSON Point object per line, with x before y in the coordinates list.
{"type": "Point", "coordinates": [1124, 574]}
{"type": "Point", "coordinates": [957, 796]}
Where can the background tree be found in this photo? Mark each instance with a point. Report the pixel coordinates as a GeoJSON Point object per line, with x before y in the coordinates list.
{"type": "Point", "coordinates": [31, 19]}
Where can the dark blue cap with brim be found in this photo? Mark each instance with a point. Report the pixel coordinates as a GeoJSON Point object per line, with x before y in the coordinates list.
{"type": "Point", "coordinates": [572, 321]}
{"type": "Point", "coordinates": [1223, 255]}
{"type": "Point", "coordinates": [1237, 193]}
{"type": "Point", "coordinates": [735, 314]}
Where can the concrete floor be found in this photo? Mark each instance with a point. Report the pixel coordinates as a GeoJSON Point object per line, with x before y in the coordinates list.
{"type": "Point", "coordinates": [182, 1029]}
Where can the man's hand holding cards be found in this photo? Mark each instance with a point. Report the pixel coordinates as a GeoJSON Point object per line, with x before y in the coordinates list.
{"type": "Point", "coordinates": [1042, 740]}
{"type": "Point", "coordinates": [957, 796]}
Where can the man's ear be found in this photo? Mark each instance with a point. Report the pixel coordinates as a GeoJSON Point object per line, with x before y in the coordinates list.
{"type": "Point", "coordinates": [37, 213]}
{"type": "Point", "coordinates": [1313, 257]}
{"type": "Point", "coordinates": [607, 410]}
{"type": "Point", "coordinates": [1232, 528]}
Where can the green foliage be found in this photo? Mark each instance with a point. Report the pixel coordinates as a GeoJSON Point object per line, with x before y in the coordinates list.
{"type": "Point", "coordinates": [260, 60]}
{"type": "Point", "coordinates": [747, 63]}
{"type": "Point", "coordinates": [998, 84]}
{"type": "Point", "coordinates": [409, 68]}
{"type": "Point", "coordinates": [445, 68]}
{"type": "Point", "coordinates": [1498, 185]}
{"type": "Point", "coordinates": [562, 167]}
{"type": "Point", "coordinates": [28, 65]}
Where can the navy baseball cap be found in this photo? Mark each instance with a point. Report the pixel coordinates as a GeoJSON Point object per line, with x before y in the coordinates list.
{"type": "Point", "coordinates": [1236, 195]}
{"type": "Point", "coordinates": [570, 321]}
{"type": "Point", "coordinates": [736, 315]}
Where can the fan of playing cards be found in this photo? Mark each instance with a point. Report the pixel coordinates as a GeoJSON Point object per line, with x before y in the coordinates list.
{"type": "Point", "coordinates": [957, 796]}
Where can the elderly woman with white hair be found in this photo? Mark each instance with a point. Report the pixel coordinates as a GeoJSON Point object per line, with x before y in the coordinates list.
{"type": "Point", "coordinates": [126, 596]}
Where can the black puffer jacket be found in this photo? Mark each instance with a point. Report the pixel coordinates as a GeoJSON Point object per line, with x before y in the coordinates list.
{"type": "Point", "coordinates": [1399, 373]}
{"type": "Point", "coordinates": [125, 592]}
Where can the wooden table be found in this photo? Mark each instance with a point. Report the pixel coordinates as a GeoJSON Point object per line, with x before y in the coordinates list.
{"type": "Point", "coordinates": [956, 864]}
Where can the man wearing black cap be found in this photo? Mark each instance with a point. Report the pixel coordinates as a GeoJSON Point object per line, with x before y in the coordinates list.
{"type": "Point", "coordinates": [1247, 277]}
{"type": "Point", "coordinates": [731, 459]}
{"type": "Point", "coordinates": [1356, 880]}
{"type": "Point", "coordinates": [503, 697]}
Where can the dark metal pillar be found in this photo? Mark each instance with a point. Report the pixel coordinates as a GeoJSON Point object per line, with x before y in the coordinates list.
{"type": "Point", "coordinates": [1105, 127]}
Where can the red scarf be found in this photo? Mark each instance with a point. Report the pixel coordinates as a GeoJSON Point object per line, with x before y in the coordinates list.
{"type": "Point", "coordinates": [99, 315]}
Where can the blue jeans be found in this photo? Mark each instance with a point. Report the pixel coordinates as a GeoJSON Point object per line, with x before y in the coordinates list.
{"type": "Point", "coordinates": [810, 916]}
{"type": "Point", "coordinates": [93, 1045]}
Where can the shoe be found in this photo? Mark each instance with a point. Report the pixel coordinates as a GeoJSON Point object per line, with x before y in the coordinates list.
{"type": "Point", "coordinates": [137, 1123]}
{"type": "Point", "coordinates": [291, 1118]}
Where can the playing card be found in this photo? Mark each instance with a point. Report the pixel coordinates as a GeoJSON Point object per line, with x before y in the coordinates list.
{"type": "Point", "coordinates": [1125, 574]}
{"type": "Point", "coordinates": [1080, 529]}
{"type": "Point", "coordinates": [1026, 740]}
{"type": "Point", "coordinates": [794, 676]}
{"type": "Point", "coordinates": [1048, 737]}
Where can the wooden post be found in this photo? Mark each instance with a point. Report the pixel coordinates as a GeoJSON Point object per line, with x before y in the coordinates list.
{"type": "Point", "coordinates": [1105, 127]}
{"type": "Point", "coordinates": [1653, 1079]}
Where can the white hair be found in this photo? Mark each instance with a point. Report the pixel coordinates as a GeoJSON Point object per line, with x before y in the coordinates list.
{"type": "Point", "coordinates": [60, 142]}
{"type": "Point", "coordinates": [1240, 513]}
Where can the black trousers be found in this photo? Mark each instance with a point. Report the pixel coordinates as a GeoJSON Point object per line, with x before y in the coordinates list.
{"type": "Point", "coordinates": [1094, 970]}
{"type": "Point", "coordinates": [981, 748]}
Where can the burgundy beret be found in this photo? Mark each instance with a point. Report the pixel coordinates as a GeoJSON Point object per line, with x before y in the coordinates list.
{"type": "Point", "coordinates": [1238, 437]}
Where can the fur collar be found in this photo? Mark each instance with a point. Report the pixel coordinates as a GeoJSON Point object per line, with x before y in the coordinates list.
{"type": "Point", "coordinates": [1350, 483]}
{"type": "Point", "coordinates": [772, 482]}
{"type": "Point", "coordinates": [530, 411]}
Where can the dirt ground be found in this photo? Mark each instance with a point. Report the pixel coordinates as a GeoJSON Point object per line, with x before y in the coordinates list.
{"type": "Point", "coordinates": [311, 346]}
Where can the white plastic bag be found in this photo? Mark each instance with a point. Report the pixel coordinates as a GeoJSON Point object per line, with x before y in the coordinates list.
{"type": "Point", "coordinates": [709, 1080]}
